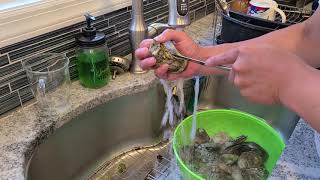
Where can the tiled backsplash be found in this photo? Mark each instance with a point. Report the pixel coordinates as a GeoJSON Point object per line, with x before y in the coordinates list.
{"type": "Point", "coordinates": [14, 90]}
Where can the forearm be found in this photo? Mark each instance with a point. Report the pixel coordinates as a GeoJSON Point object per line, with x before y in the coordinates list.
{"type": "Point", "coordinates": [302, 96]}
{"type": "Point", "coordinates": [298, 39]}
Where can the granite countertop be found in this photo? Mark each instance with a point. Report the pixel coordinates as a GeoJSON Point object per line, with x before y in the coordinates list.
{"type": "Point", "coordinates": [22, 130]}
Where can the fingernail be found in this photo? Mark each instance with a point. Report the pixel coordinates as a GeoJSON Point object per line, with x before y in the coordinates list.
{"type": "Point", "coordinates": [166, 66]}
{"type": "Point", "coordinates": [141, 66]}
{"type": "Point", "coordinates": [208, 62]}
{"type": "Point", "coordinates": [158, 38]}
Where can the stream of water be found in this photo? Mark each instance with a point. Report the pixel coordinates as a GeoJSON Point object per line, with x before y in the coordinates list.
{"type": "Point", "coordinates": [175, 112]}
{"type": "Point", "coordinates": [168, 115]}
{"type": "Point", "coordinates": [195, 107]}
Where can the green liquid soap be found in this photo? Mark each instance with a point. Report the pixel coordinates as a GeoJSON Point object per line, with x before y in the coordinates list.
{"type": "Point", "coordinates": [93, 67]}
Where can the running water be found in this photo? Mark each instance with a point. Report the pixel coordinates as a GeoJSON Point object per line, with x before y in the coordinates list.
{"type": "Point", "coordinates": [181, 98]}
{"type": "Point", "coordinates": [175, 108]}
{"type": "Point", "coordinates": [173, 113]}
{"type": "Point", "coordinates": [169, 106]}
{"type": "Point", "coordinates": [195, 107]}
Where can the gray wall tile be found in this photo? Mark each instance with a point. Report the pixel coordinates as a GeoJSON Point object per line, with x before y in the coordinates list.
{"type": "Point", "coordinates": [119, 18]}
{"type": "Point", "coordinates": [115, 13]}
{"type": "Point", "coordinates": [121, 49]}
{"type": "Point", "coordinates": [19, 83]}
{"type": "Point", "coordinates": [4, 90]}
{"type": "Point", "coordinates": [196, 6]}
{"type": "Point", "coordinates": [102, 24]}
{"type": "Point", "coordinates": [162, 19]}
{"type": "Point", "coordinates": [25, 94]}
{"type": "Point", "coordinates": [28, 50]}
{"type": "Point", "coordinates": [63, 47]}
{"type": "Point", "coordinates": [72, 61]}
{"type": "Point", "coordinates": [200, 13]}
{"type": "Point", "coordinates": [108, 30]}
{"type": "Point", "coordinates": [4, 60]}
{"type": "Point", "coordinates": [154, 5]}
{"type": "Point", "coordinates": [118, 39]}
{"type": "Point", "coordinates": [123, 25]}
{"type": "Point", "coordinates": [41, 37]}
{"type": "Point", "coordinates": [210, 8]}
{"type": "Point", "coordinates": [73, 73]}
{"type": "Point", "coordinates": [9, 102]}
{"type": "Point", "coordinates": [156, 12]}
{"type": "Point", "coordinates": [6, 70]}
{"type": "Point", "coordinates": [209, 1]}
{"type": "Point", "coordinates": [12, 77]}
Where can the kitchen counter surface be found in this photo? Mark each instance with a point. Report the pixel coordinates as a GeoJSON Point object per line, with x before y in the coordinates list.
{"type": "Point", "coordinates": [300, 159]}
{"type": "Point", "coordinates": [22, 130]}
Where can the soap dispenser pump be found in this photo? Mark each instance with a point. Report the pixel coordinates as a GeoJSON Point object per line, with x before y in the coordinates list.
{"type": "Point", "coordinates": [92, 56]}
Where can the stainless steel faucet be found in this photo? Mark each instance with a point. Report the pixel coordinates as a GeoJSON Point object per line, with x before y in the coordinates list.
{"type": "Point", "coordinates": [178, 19]}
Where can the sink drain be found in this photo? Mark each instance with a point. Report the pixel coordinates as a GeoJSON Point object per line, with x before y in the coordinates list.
{"type": "Point", "coordinates": [149, 163]}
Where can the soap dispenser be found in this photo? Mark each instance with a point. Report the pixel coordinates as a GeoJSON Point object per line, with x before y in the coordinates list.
{"type": "Point", "coordinates": [92, 56]}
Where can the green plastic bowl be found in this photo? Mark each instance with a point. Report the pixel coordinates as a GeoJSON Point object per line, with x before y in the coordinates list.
{"type": "Point", "coordinates": [235, 123]}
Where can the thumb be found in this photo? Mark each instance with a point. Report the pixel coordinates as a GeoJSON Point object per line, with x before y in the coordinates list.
{"type": "Point", "coordinates": [170, 35]}
{"type": "Point", "coordinates": [226, 58]}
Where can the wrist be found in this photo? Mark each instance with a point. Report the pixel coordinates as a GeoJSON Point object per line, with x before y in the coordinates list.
{"type": "Point", "coordinates": [299, 88]}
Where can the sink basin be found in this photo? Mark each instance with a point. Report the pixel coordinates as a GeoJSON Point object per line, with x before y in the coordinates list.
{"type": "Point", "coordinates": [100, 133]}
{"type": "Point", "coordinates": [76, 149]}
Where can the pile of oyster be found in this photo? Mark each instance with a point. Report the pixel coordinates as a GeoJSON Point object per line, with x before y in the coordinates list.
{"type": "Point", "coordinates": [165, 55]}
{"type": "Point", "coordinates": [221, 157]}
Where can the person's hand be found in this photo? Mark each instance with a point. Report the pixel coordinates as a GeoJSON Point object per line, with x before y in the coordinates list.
{"type": "Point", "coordinates": [183, 43]}
{"type": "Point", "coordinates": [262, 73]}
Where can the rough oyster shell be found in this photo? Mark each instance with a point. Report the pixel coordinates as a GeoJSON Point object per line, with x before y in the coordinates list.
{"type": "Point", "coordinates": [164, 56]}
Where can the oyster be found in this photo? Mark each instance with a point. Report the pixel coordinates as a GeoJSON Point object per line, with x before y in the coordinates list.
{"type": "Point", "coordinates": [236, 173]}
{"type": "Point", "coordinates": [219, 176]}
{"type": "Point", "coordinates": [201, 136]}
{"type": "Point", "coordinates": [221, 138]}
{"type": "Point", "coordinates": [234, 142]}
{"type": "Point", "coordinates": [250, 159]}
{"type": "Point", "coordinates": [254, 173]}
{"type": "Point", "coordinates": [223, 167]}
{"type": "Point", "coordinates": [229, 159]}
{"type": "Point", "coordinates": [164, 56]}
{"type": "Point", "coordinates": [245, 147]}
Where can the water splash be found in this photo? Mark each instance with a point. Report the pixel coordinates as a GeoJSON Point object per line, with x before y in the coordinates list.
{"type": "Point", "coordinates": [195, 107]}
{"type": "Point", "coordinates": [175, 107]}
{"type": "Point", "coordinates": [169, 106]}
{"type": "Point", "coordinates": [174, 113]}
{"type": "Point", "coordinates": [182, 108]}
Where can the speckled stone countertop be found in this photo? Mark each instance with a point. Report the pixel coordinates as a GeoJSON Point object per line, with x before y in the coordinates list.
{"type": "Point", "coordinates": [24, 129]}
{"type": "Point", "coordinates": [300, 159]}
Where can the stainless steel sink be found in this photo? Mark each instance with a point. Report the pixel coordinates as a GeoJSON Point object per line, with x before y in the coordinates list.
{"type": "Point", "coordinates": [100, 133]}
{"type": "Point", "coordinates": [76, 150]}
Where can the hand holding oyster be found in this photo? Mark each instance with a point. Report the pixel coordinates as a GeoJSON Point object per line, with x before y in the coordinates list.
{"type": "Point", "coordinates": [164, 55]}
